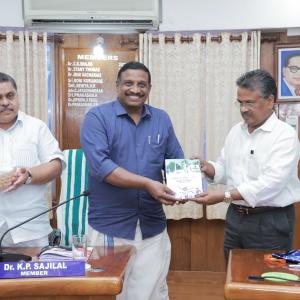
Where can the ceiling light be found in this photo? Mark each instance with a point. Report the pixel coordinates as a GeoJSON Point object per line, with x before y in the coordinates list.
{"type": "Point", "coordinates": [98, 49]}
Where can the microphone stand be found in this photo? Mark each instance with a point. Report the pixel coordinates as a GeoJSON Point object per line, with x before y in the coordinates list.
{"type": "Point", "coordinates": [14, 257]}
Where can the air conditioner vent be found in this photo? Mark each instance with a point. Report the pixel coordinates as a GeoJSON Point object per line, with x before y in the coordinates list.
{"type": "Point", "coordinates": [92, 15]}
{"type": "Point", "coordinates": [125, 22]}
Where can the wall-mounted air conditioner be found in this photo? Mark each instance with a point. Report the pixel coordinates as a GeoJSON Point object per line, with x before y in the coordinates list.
{"type": "Point", "coordinates": [91, 15]}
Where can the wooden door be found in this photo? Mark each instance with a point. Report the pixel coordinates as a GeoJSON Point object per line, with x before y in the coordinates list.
{"type": "Point", "coordinates": [83, 82]}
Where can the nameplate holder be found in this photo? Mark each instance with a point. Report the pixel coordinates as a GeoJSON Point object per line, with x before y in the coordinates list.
{"type": "Point", "coordinates": [33, 269]}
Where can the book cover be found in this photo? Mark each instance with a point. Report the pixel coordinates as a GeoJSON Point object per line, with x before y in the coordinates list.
{"type": "Point", "coordinates": [184, 177]}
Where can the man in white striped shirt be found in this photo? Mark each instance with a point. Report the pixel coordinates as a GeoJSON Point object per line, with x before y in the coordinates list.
{"type": "Point", "coordinates": [29, 159]}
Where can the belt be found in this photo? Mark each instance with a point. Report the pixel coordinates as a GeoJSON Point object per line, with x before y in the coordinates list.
{"type": "Point", "coordinates": [245, 210]}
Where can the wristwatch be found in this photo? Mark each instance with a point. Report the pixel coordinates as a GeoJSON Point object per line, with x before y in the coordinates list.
{"type": "Point", "coordinates": [29, 178]}
{"type": "Point", "coordinates": [227, 197]}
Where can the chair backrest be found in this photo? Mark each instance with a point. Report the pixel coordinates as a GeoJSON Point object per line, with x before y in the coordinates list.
{"type": "Point", "coordinates": [72, 217]}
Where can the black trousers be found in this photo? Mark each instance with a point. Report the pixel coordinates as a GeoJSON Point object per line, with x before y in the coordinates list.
{"type": "Point", "coordinates": [272, 230]}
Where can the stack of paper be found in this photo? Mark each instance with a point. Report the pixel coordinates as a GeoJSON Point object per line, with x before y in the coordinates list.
{"type": "Point", "coordinates": [56, 253]}
{"type": "Point", "coordinates": [61, 253]}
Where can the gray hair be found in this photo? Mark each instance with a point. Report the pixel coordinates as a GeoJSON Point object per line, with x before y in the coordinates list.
{"type": "Point", "coordinates": [260, 80]}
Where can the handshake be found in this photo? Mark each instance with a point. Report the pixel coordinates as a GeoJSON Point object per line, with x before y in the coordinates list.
{"type": "Point", "coordinates": [7, 179]}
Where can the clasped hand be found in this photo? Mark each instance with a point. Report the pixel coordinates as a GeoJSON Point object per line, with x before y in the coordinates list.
{"type": "Point", "coordinates": [12, 180]}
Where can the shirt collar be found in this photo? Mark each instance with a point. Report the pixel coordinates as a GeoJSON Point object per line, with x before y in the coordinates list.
{"type": "Point", "coordinates": [268, 125]}
{"type": "Point", "coordinates": [21, 117]}
{"type": "Point", "coordinates": [19, 121]}
{"type": "Point", "coordinates": [120, 110]}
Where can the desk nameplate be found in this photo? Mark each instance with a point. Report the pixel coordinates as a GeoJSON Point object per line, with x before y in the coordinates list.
{"type": "Point", "coordinates": [42, 269]}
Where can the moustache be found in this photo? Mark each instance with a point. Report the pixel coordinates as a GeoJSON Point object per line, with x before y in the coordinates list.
{"type": "Point", "coordinates": [134, 94]}
{"type": "Point", "coordinates": [246, 114]}
{"type": "Point", "coordinates": [5, 109]}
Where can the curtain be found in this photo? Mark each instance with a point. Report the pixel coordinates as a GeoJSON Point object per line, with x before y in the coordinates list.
{"type": "Point", "coordinates": [177, 87]}
{"type": "Point", "coordinates": [232, 59]}
{"type": "Point", "coordinates": [23, 55]}
{"type": "Point", "coordinates": [194, 81]}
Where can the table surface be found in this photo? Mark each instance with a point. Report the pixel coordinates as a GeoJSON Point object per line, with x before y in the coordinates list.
{"type": "Point", "coordinates": [113, 262]}
{"type": "Point", "coordinates": [243, 263]}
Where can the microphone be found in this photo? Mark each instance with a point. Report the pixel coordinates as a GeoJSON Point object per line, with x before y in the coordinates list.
{"type": "Point", "coordinates": [14, 257]}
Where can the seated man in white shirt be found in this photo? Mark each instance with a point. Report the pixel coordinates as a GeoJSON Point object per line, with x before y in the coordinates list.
{"type": "Point", "coordinates": [29, 159]}
{"type": "Point", "coordinates": [259, 166]}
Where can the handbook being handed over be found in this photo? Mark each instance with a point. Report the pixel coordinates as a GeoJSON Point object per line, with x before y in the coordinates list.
{"type": "Point", "coordinates": [184, 177]}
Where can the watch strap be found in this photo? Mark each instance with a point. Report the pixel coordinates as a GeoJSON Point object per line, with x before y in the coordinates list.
{"type": "Point", "coordinates": [29, 178]}
{"type": "Point", "coordinates": [227, 197]}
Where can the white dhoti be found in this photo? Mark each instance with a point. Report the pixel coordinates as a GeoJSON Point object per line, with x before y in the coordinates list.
{"type": "Point", "coordinates": [145, 277]}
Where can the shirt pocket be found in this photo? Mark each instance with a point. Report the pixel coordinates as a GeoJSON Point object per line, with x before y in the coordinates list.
{"type": "Point", "coordinates": [156, 153]}
{"type": "Point", "coordinates": [25, 155]}
{"type": "Point", "coordinates": [253, 167]}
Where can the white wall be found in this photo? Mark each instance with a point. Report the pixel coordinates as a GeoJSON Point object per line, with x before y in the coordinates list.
{"type": "Point", "coordinates": [186, 15]}
{"type": "Point", "coordinates": [229, 14]}
{"type": "Point", "coordinates": [11, 13]}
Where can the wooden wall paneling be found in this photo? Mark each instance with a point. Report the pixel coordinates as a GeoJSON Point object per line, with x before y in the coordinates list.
{"type": "Point", "coordinates": [215, 241]}
{"type": "Point", "coordinates": [71, 41]}
{"type": "Point", "coordinates": [199, 234]}
{"type": "Point", "coordinates": [267, 57]}
{"type": "Point", "coordinates": [180, 236]}
{"type": "Point", "coordinates": [197, 244]}
{"type": "Point", "coordinates": [267, 49]}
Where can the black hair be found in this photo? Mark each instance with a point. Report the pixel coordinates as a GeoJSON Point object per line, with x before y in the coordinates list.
{"type": "Point", "coordinates": [134, 65]}
{"type": "Point", "coordinates": [258, 80]}
{"type": "Point", "coordinates": [6, 78]}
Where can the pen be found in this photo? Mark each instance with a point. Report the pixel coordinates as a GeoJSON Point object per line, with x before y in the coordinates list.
{"type": "Point", "coordinates": [149, 139]}
{"type": "Point", "coordinates": [158, 138]}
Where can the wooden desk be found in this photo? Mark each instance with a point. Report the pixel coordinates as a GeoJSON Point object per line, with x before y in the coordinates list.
{"type": "Point", "coordinates": [243, 263]}
{"type": "Point", "coordinates": [95, 285]}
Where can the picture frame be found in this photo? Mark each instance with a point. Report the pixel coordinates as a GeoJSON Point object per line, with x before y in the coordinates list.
{"type": "Point", "coordinates": [288, 72]}
{"type": "Point", "coordinates": [289, 113]}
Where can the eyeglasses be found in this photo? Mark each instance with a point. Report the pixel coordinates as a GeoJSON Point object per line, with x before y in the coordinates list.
{"type": "Point", "coordinates": [246, 104]}
{"type": "Point", "coordinates": [293, 69]}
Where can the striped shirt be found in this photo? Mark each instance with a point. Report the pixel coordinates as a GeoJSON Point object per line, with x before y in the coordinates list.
{"type": "Point", "coordinates": [27, 143]}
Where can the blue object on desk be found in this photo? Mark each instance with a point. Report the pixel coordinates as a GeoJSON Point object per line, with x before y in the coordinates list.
{"type": "Point", "coordinates": [292, 256]}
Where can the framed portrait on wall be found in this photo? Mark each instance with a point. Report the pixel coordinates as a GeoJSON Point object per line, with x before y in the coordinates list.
{"type": "Point", "coordinates": [289, 113]}
{"type": "Point", "coordinates": [288, 72]}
